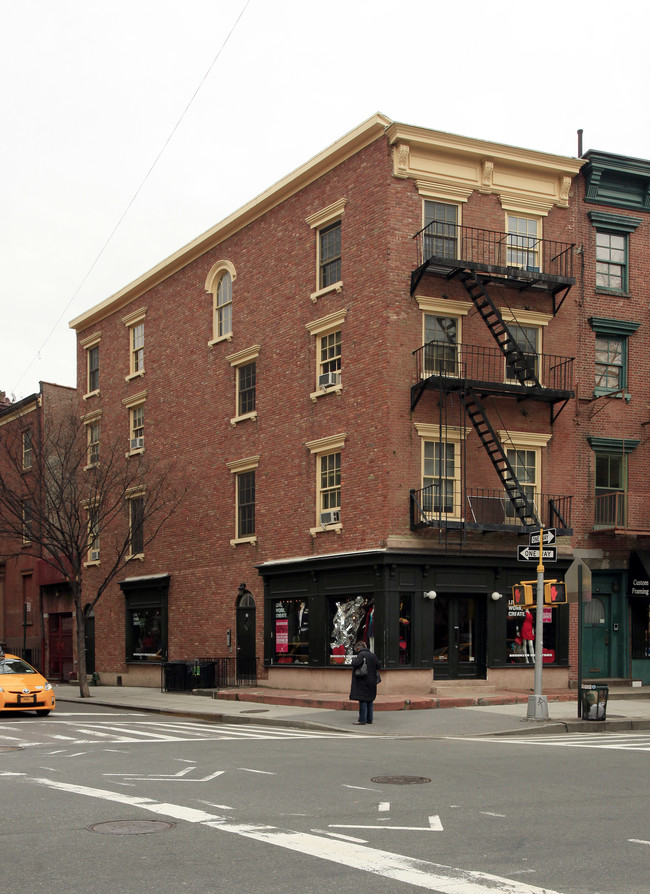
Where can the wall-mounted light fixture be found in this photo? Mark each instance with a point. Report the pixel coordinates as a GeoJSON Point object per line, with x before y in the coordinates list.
{"type": "Point", "coordinates": [430, 594]}
{"type": "Point", "coordinates": [496, 596]}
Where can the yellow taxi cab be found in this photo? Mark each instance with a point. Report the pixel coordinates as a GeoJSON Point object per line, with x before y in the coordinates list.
{"type": "Point", "coordinates": [22, 688]}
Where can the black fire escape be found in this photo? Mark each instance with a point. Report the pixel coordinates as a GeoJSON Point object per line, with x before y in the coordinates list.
{"type": "Point", "coordinates": [482, 260]}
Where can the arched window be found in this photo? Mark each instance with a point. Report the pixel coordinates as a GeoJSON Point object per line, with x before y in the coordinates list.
{"type": "Point", "coordinates": [223, 308]}
{"type": "Point", "coordinates": [219, 283]}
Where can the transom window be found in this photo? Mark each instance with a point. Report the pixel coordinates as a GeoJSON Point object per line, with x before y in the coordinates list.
{"type": "Point", "coordinates": [441, 233]}
{"type": "Point", "coordinates": [523, 242]}
{"type": "Point", "coordinates": [611, 261]}
{"type": "Point", "coordinates": [329, 240]}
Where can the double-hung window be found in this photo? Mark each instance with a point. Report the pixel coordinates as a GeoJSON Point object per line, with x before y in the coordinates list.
{"type": "Point", "coordinates": [441, 345]}
{"type": "Point", "coordinates": [244, 472]}
{"type": "Point", "coordinates": [92, 431]}
{"type": "Point", "coordinates": [523, 242]}
{"type": "Point", "coordinates": [329, 254]}
{"type": "Point", "coordinates": [611, 355]}
{"type": "Point", "coordinates": [442, 459]}
{"type": "Point", "coordinates": [136, 524]}
{"type": "Point", "coordinates": [612, 249]}
{"type": "Point", "coordinates": [611, 480]}
{"type": "Point", "coordinates": [135, 325]}
{"type": "Point", "coordinates": [441, 230]}
{"type": "Point", "coordinates": [91, 346]}
{"type": "Point", "coordinates": [135, 406]}
{"type": "Point", "coordinates": [27, 449]}
{"type": "Point", "coordinates": [524, 453]}
{"type": "Point", "coordinates": [329, 352]}
{"type": "Point", "coordinates": [219, 283]}
{"type": "Point", "coordinates": [245, 365]}
{"type": "Point", "coordinates": [328, 482]}
{"type": "Point", "coordinates": [93, 534]}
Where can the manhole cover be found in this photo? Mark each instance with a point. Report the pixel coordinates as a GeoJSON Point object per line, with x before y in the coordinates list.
{"type": "Point", "coordinates": [131, 827]}
{"type": "Point", "coordinates": [400, 780]}
{"type": "Point", "coordinates": [10, 748]}
{"type": "Point", "coordinates": [256, 711]}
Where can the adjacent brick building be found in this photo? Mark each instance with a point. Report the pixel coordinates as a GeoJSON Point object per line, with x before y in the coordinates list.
{"type": "Point", "coordinates": [366, 379]}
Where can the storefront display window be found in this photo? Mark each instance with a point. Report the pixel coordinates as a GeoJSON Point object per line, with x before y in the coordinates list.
{"type": "Point", "coordinates": [351, 619]}
{"type": "Point", "coordinates": [146, 634]}
{"type": "Point", "coordinates": [522, 633]}
{"type": "Point", "coordinates": [405, 614]}
{"type": "Point", "coordinates": [640, 616]}
{"type": "Point", "coordinates": [290, 631]}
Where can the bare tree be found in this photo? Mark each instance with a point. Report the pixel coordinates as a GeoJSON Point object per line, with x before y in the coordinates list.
{"type": "Point", "coordinates": [69, 497]}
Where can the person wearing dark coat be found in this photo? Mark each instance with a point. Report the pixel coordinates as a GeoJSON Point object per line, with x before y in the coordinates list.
{"type": "Point", "coordinates": [364, 689]}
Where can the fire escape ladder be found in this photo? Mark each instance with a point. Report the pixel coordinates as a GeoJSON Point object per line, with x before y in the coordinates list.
{"type": "Point", "coordinates": [523, 507]}
{"type": "Point", "coordinates": [520, 365]}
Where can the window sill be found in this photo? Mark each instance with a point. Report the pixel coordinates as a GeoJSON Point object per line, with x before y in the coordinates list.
{"type": "Point", "coordinates": [337, 528]}
{"type": "Point", "coordinates": [91, 394]}
{"type": "Point", "coordinates": [92, 563]}
{"type": "Point", "coordinates": [135, 375]}
{"type": "Point", "coordinates": [214, 341]}
{"type": "Point", "coordinates": [252, 416]}
{"type": "Point", "coordinates": [90, 466]}
{"type": "Point", "coordinates": [336, 389]}
{"type": "Point", "coordinates": [619, 393]}
{"type": "Point", "coordinates": [137, 452]}
{"type": "Point", "coordinates": [241, 540]}
{"type": "Point", "coordinates": [622, 293]}
{"type": "Point", "coordinates": [335, 287]}
{"type": "Point", "coordinates": [138, 557]}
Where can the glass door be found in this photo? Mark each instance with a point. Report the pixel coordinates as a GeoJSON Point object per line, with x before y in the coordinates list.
{"type": "Point", "coordinates": [458, 637]}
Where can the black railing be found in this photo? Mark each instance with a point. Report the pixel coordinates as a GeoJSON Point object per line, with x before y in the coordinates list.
{"type": "Point", "coordinates": [476, 363]}
{"type": "Point", "coordinates": [208, 673]}
{"type": "Point", "coordinates": [484, 509]}
{"type": "Point", "coordinates": [32, 655]}
{"type": "Point", "coordinates": [476, 247]}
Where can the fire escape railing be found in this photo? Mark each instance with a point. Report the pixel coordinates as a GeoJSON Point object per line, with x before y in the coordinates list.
{"type": "Point", "coordinates": [489, 248]}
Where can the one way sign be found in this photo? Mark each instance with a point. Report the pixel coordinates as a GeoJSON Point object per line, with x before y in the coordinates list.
{"type": "Point", "coordinates": [548, 537]}
{"type": "Point", "coordinates": [531, 554]}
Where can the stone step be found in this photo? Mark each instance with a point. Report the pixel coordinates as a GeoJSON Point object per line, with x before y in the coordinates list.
{"type": "Point", "coordinates": [453, 688]}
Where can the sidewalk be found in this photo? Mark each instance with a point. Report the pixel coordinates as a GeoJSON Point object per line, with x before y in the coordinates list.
{"type": "Point", "coordinates": [496, 713]}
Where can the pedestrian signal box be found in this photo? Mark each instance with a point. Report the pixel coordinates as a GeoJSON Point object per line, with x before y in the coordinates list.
{"type": "Point", "coordinates": [554, 592]}
{"type": "Point", "coordinates": [522, 594]}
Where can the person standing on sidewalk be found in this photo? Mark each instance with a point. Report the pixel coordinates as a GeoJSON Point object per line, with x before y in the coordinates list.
{"type": "Point", "coordinates": [364, 685]}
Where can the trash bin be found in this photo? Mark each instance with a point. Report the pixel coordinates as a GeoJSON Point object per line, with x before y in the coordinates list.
{"type": "Point", "coordinates": [177, 676]}
{"type": "Point", "coordinates": [594, 701]}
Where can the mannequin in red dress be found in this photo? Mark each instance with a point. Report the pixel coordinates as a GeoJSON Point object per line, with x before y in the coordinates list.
{"type": "Point", "coordinates": [528, 637]}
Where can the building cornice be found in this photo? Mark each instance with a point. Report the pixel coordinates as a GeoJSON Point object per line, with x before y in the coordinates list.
{"type": "Point", "coordinates": [321, 164]}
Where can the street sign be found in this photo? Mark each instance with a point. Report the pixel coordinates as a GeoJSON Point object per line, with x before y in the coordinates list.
{"type": "Point", "coordinates": [548, 537]}
{"type": "Point", "coordinates": [531, 553]}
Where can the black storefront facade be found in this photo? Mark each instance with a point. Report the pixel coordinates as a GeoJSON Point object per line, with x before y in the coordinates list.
{"type": "Point", "coordinates": [428, 616]}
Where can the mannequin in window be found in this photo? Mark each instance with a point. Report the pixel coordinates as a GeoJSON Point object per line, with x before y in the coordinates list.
{"type": "Point", "coordinates": [528, 637]}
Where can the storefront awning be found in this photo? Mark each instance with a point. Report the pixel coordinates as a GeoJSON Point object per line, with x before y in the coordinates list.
{"type": "Point", "coordinates": [639, 576]}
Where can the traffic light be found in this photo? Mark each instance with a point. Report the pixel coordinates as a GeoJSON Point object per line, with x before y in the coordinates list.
{"type": "Point", "coordinates": [522, 594]}
{"type": "Point", "coordinates": [554, 592]}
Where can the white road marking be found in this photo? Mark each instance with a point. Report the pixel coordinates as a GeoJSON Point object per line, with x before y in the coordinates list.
{"type": "Point", "coordinates": [383, 806]}
{"type": "Point", "coordinates": [434, 826]}
{"type": "Point", "coordinates": [418, 873]}
{"type": "Point", "coordinates": [338, 835]}
{"type": "Point", "coordinates": [360, 788]}
{"type": "Point", "coordinates": [263, 772]}
{"type": "Point", "coordinates": [174, 777]}
{"type": "Point", "coordinates": [627, 741]}
{"type": "Point", "coordinates": [489, 813]}
{"type": "Point", "coordinates": [638, 841]}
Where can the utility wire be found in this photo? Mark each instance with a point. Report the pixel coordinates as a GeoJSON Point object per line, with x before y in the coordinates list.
{"type": "Point", "coordinates": [134, 197]}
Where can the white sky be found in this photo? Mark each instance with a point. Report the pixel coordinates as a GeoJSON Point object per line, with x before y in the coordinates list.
{"type": "Point", "coordinates": [93, 90]}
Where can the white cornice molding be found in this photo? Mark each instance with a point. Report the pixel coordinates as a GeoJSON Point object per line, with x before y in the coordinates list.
{"type": "Point", "coordinates": [356, 140]}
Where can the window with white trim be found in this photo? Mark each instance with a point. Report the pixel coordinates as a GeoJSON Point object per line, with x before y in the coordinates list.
{"type": "Point", "coordinates": [219, 284]}
{"type": "Point", "coordinates": [93, 442]}
{"type": "Point", "coordinates": [135, 407]}
{"type": "Point", "coordinates": [329, 340]}
{"type": "Point", "coordinates": [524, 453]}
{"type": "Point", "coordinates": [244, 471]}
{"type": "Point", "coordinates": [440, 237]}
{"type": "Point", "coordinates": [523, 242]}
{"type": "Point", "coordinates": [93, 534]}
{"type": "Point", "coordinates": [27, 449]}
{"type": "Point", "coordinates": [245, 365]}
{"type": "Point", "coordinates": [328, 226]}
{"type": "Point", "coordinates": [136, 524]}
{"type": "Point", "coordinates": [327, 452]}
{"type": "Point", "coordinates": [527, 328]}
{"type": "Point", "coordinates": [441, 466]}
{"type": "Point", "coordinates": [91, 346]}
{"type": "Point", "coordinates": [135, 325]}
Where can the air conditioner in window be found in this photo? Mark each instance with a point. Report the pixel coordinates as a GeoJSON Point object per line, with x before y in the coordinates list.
{"type": "Point", "coordinates": [330, 518]}
{"type": "Point", "coordinates": [137, 443]}
{"type": "Point", "coordinates": [94, 555]}
{"type": "Point", "coordinates": [329, 380]}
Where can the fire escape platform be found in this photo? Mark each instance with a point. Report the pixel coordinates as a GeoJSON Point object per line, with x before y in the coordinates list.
{"type": "Point", "coordinates": [486, 388]}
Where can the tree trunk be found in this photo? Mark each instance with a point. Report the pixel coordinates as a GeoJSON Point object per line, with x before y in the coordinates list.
{"type": "Point", "coordinates": [80, 625]}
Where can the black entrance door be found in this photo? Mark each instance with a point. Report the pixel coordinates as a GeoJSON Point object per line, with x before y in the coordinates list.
{"type": "Point", "coordinates": [246, 663]}
{"type": "Point", "coordinates": [458, 637]}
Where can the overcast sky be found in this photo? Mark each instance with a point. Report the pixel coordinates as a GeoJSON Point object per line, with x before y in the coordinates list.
{"type": "Point", "coordinates": [105, 173]}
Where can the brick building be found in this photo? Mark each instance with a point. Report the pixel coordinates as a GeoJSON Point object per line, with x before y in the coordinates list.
{"type": "Point", "coordinates": [365, 377]}
{"type": "Point", "coordinates": [35, 603]}
{"type": "Point", "coordinates": [612, 527]}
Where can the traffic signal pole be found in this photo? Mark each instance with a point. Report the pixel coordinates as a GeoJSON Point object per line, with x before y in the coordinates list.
{"type": "Point", "coordinates": [538, 703]}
